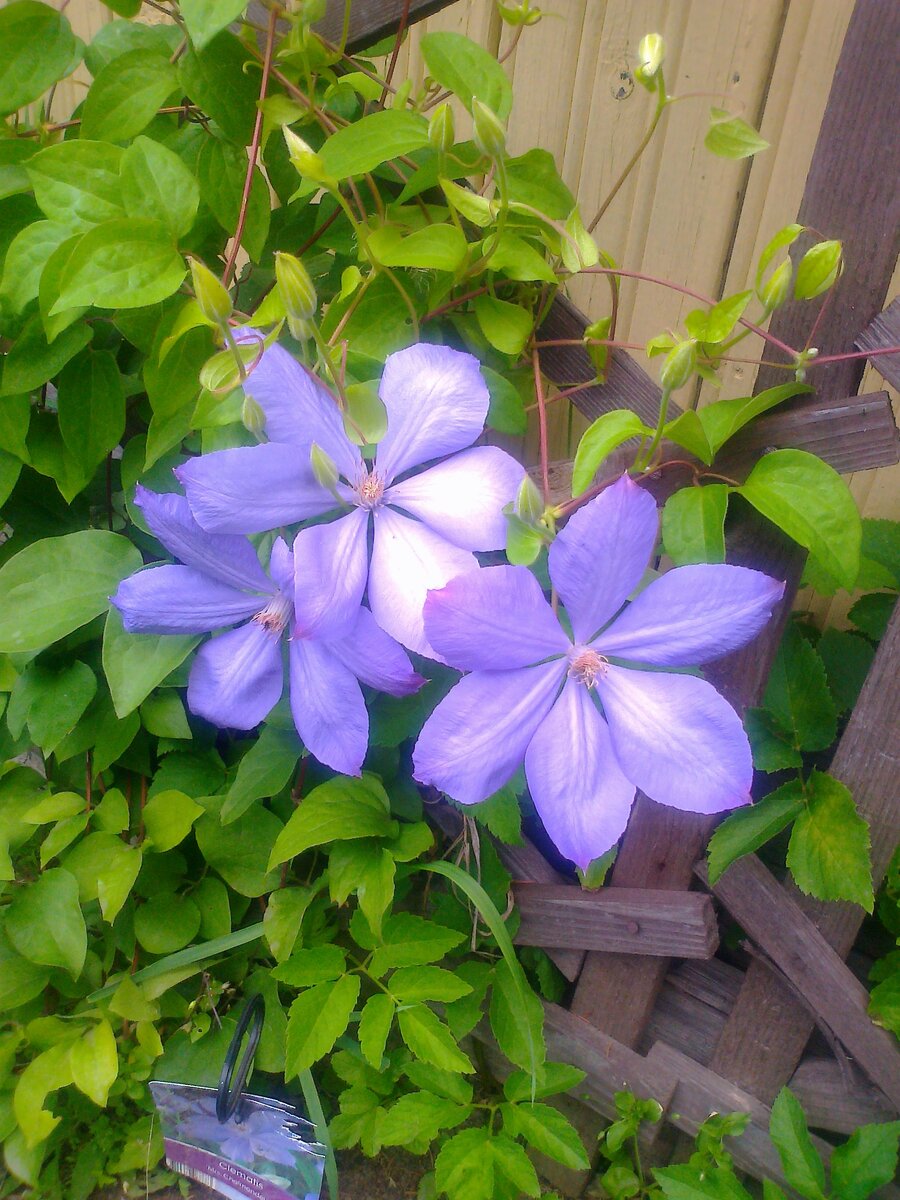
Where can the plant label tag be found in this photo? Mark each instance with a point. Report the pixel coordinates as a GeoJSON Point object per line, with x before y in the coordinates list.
{"type": "Point", "coordinates": [264, 1151]}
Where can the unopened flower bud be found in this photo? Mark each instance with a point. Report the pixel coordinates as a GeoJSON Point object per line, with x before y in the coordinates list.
{"type": "Point", "coordinates": [296, 287]}
{"type": "Point", "coordinates": [441, 133]}
{"type": "Point", "coordinates": [253, 416]}
{"type": "Point", "coordinates": [305, 160]}
{"type": "Point", "coordinates": [212, 296]}
{"type": "Point", "coordinates": [522, 14]}
{"type": "Point", "coordinates": [324, 467]}
{"type": "Point", "coordinates": [651, 52]}
{"type": "Point", "coordinates": [678, 366]}
{"type": "Point", "coordinates": [301, 331]}
{"type": "Point", "coordinates": [777, 288]}
{"type": "Point", "coordinates": [313, 10]}
{"type": "Point", "coordinates": [490, 134]}
{"type": "Point", "coordinates": [529, 504]}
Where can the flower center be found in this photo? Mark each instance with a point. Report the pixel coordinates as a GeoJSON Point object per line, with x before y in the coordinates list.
{"type": "Point", "coordinates": [586, 665]}
{"type": "Point", "coordinates": [370, 490]}
{"type": "Point", "coordinates": [277, 613]}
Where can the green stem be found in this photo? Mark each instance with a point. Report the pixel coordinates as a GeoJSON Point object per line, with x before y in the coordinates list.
{"type": "Point", "coordinates": [645, 458]}
{"type": "Point", "coordinates": [503, 196]}
{"type": "Point", "coordinates": [662, 100]}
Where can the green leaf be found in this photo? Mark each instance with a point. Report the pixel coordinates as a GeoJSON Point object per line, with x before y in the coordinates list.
{"type": "Point", "coordinates": [506, 412]}
{"type": "Point", "coordinates": [317, 1019]}
{"type": "Point", "coordinates": [136, 662]}
{"type": "Point", "coordinates": [48, 293]}
{"type": "Point", "coordinates": [430, 1040]}
{"type": "Point", "coordinates": [693, 524]}
{"type": "Point", "coordinates": [732, 137]}
{"type": "Point", "coordinates": [33, 360]}
{"type": "Point", "coordinates": [773, 746]}
{"type": "Point", "coordinates": [865, 1162]}
{"type": "Point", "coordinates": [512, 1162]}
{"type": "Point", "coordinates": [412, 984]}
{"type": "Point", "coordinates": [206, 18]}
{"type": "Point", "coordinates": [419, 1116]}
{"type": "Point", "coordinates": [59, 584]}
{"type": "Point", "coordinates": [13, 176]}
{"type": "Point", "coordinates": [872, 613]}
{"type": "Point", "coordinates": [26, 258]}
{"type": "Point", "coordinates": [264, 770]}
{"type": "Point", "coordinates": [51, 701]}
{"type": "Point", "coordinates": [222, 171]}
{"type": "Point", "coordinates": [214, 78]}
{"type": "Point", "coordinates": [94, 1061]}
{"type": "Point", "coordinates": [411, 941]}
{"type": "Point", "coordinates": [884, 1003]}
{"type": "Point", "coordinates": [241, 850]}
{"type": "Point", "coordinates": [368, 869]}
{"type": "Point", "coordinates": [687, 431]}
{"type": "Point", "coordinates": [169, 817]}
{"type": "Point", "coordinates": [91, 403]}
{"type": "Point", "coordinates": [15, 415]}
{"type": "Point", "coordinates": [112, 814]}
{"type": "Point", "coordinates": [847, 658]}
{"type": "Point", "coordinates": [699, 1183]}
{"type": "Point", "coordinates": [166, 923]}
{"type": "Point", "coordinates": [517, 1019]}
{"type": "Point", "coordinates": [533, 179]}
{"type": "Point", "coordinates": [372, 140]}
{"type": "Point", "coordinates": [828, 853]}
{"type": "Point", "coordinates": [464, 1167]}
{"type": "Point", "coordinates": [797, 693]}
{"type": "Point", "coordinates": [39, 49]}
{"type": "Point", "coordinates": [599, 440]}
{"type": "Point", "coordinates": [319, 964]}
{"type": "Point", "coordinates": [438, 247]}
{"type": "Point", "coordinates": [340, 808]}
{"type": "Point", "coordinates": [782, 239]}
{"type": "Point", "coordinates": [818, 270]}
{"type": "Point", "coordinates": [881, 543]}
{"type": "Point", "coordinates": [808, 500]}
{"type": "Point", "coordinates": [467, 70]}
{"type": "Point", "coordinates": [117, 871]}
{"type": "Point", "coordinates": [721, 319]}
{"type": "Point", "coordinates": [475, 208]}
{"type": "Point", "coordinates": [506, 326]}
{"type": "Point", "coordinates": [374, 1027]}
{"type": "Point", "coordinates": [46, 1073]}
{"type": "Point", "coordinates": [162, 714]}
{"type": "Point", "coordinates": [523, 542]}
{"type": "Point", "coordinates": [517, 259]}
{"type": "Point", "coordinates": [125, 263]}
{"type": "Point", "coordinates": [45, 924]}
{"type": "Point", "coordinates": [119, 37]}
{"type": "Point", "coordinates": [745, 830]}
{"type": "Point", "coordinates": [802, 1166]}
{"type": "Point", "coordinates": [284, 914]}
{"type": "Point", "coordinates": [722, 419]}
{"type": "Point", "coordinates": [126, 94]}
{"type": "Point", "coordinates": [77, 183]}
{"type": "Point", "coordinates": [554, 1078]}
{"type": "Point", "coordinates": [156, 183]}
{"type": "Point", "coordinates": [547, 1130]}
{"type": "Point", "coordinates": [501, 814]}
{"type": "Point", "coordinates": [20, 979]}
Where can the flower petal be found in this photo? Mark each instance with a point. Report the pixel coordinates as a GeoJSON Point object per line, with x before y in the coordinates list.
{"type": "Point", "coordinates": [407, 560]}
{"type": "Point", "coordinates": [376, 659]}
{"type": "Point", "coordinates": [252, 488]}
{"type": "Point", "coordinates": [237, 679]}
{"type": "Point", "coordinates": [577, 786]}
{"type": "Point", "coordinates": [598, 559]}
{"type": "Point", "coordinates": [176, 599]}
{"type": "Point", "coordinates": [677, 739]}
{"type": "Point", "coordinates": [298, 409]}
{"type": "Point", "coordinates": [478, 734]}
{"type": "Point", "coordinates": [331, 564]}
{"type": "Point", "coordinates": [328, 707]}
{"type": "Point", "coordinates": [436, 402]}
{"type": "Point", "coordinates": [226, 557]}
{"type": "Point", "coordinates": [693, 614]}
{"type": "Point", "coordinates": [281, 566]}
{"type": "Point", "coordinates": [493, 619]}
{"type": "Point", "coordinates": [462, 499]}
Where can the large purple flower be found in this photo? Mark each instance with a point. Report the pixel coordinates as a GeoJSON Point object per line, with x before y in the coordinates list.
{"type": "Point", "coordinates": [426, 525]}
{"type": "Point", "coordinates": [533, 689]}
{"type": "Point", "coordinates": [238, 678]}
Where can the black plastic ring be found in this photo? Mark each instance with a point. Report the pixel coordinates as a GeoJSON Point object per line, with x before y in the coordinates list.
{"type": "Point", "coordinates": [228, 1094]}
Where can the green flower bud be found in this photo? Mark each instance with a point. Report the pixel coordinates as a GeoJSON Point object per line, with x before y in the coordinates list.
{"type": "Point", "coordinates": [777, 287]}
{"type": "Point", "coordinates": [252, 416]}
{"type": "Point", "coordinates": [490, 133]}
{"type": "Point", "coordinates": [522, 14]}
{"type": "Point", "coordinates": [324, 467]}
{"type": "Point", "coordinates": [529, 504]}
{"type": "Point", "coordinates": [212, 297]}
{"type": "Point", "coordinates": [678, 366]}
{"type": "Point", "coordinates": [300, 330]}
{"type": "Point", "coordinates": [297, 289]}
{"type": "Point", "coordinates": [313, 10]}
{"type": "Point", "coordinates": [441, 133]}
{"type": "Point", "coordinates": [305, 160]}
{"type": "Point", "coordinates": [651, 52]}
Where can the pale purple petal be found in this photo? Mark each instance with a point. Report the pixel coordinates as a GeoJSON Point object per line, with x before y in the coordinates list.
{"type": "Point", "coordinates": [376, 659]}
{"type": "Point", "coordinates": [331, 564]}
{"type": "Point", "coordinates": [493, 619]}
{"type": "Point", "coordinates": [598, 559]}
{"type": "Point", "coordinates": [237, 679]}
{"type": "Point", "coordinates": [281, 566]}
{"type": "Point", "coordinates": [462, 499]}
{"type": "Point", "coordinates": [298, 409]}
{"type": "Point", "coordinates": [328, 707]}
{"type": "Point", "coordinates": [436, 402]}
{"type": "Point", "coordinates": [693, 614]}
{"type": "Point", "coordinates": [577, 786]}
{"type": "Point", "coordinates": [407, 561]}
{"type": "Point", "coordinates": [252, 488]}
{"type": "Point", "coordinates": [677, 739]}
{"type": "Point", "coordinates": [227, 557]}
{"type": "Point", "coordinates": [477, 736]}
{"type": "Point", "coordinates": [176, 599]}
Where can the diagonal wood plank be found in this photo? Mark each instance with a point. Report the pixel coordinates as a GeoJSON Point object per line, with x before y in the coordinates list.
{"type": "Point", "coordinates": [371, 20]}
{"type": "Point", "coordinates": [883, 332]}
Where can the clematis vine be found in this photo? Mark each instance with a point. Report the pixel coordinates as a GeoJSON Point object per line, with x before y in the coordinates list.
{"type": "Point", "coordinates": [593, 714]}
{"type": "Point", "coordinates": [426, 523]}
{"type": "Point", "coordinates": [237, 678]}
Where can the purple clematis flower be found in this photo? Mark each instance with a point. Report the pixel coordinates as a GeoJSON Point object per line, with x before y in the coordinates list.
{"type": "Point", "coordinates": [260, 1136]}
{"type": "Point", "coordinates": [238, 678]}
{"type": "Point", "coordinates": [533, 690]}
{"type": "Point", "coordinates": [426, 525]}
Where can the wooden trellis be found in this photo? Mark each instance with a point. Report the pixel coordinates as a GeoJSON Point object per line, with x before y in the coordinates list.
{"type": "Point", "coordinates": [652, 1009]}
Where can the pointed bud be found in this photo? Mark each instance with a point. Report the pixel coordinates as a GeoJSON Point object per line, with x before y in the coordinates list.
{"type": "Point", "coordinates": [253, 416]}
{"type": "Point", "coordinates": [529, 504]}
{"type": "Point", "coordinates": [490, 133]}
{"type": "Point", "coordinates": [678, 366]}
{"type": "Point", "coordinates": [296, 287]}
{"type": "Point", "coordinates": [301, 331]}
{"type": "Point", "coordinates": [324, 467]}
{"type": "Point", "coordinates": [305, 160]}
{"type": "Point", "coordinates": [522, 14]}
{"type": "Point", "coordinates": [777, 287]}
{"type": "Point", "coordinates": [441, 133]}
{"type": "Point", "coordinates": [651, 52]}
{"type": "Point", "coordinates": [212, 297]}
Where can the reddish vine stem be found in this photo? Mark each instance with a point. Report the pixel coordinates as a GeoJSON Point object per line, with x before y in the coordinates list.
{"type": "Point", "coordinates": [439, 312]}
{"type": "Point", "coordinates": [832, 358]}
{"type": "Point", "coordinates": [542, 425]}
{"type": "Point", "coordinates": [398, 41]}
{"type": "Point", "coordinates": [254, 151]}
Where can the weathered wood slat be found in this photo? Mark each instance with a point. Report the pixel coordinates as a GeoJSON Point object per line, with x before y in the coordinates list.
{"type": "Point", "coordinates": [624, 920]}
{"type": "Point", "coordinates": [884, 331]}
{"type": "Point", "coordinates": [836, 1097]}
{"type": "Point", "coordinates": [371, 20]}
